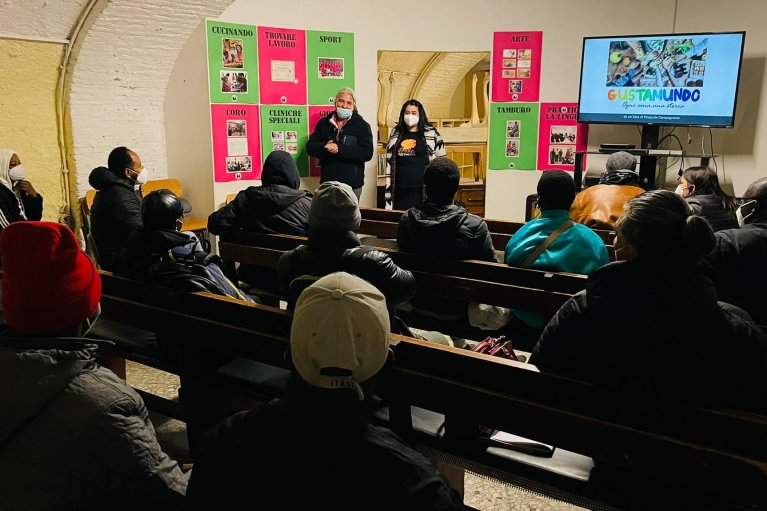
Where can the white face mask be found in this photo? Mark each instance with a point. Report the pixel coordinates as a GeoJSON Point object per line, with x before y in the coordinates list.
{"type": "Point", "coordinates": [411, 120]}
{"type": "Point", "coordinates": [141, 177]}
{"type": "Point", "coordinates": [745, 211]}
{"type": "Point", "coordinates": [679, 190]}
{"type": "Point", "coordinates": [17, 173]}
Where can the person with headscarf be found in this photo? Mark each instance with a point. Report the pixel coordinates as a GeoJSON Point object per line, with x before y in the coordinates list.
{"type": "Point", "coordinates": [599, 206]}
{"type": "Point", "coordinates": [18, 198]}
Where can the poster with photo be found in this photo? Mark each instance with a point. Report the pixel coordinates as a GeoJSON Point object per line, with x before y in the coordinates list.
{"type": "Point", "coordinates": [282, 66]}
{"type": "Point", "coordinates": [330, 64]}
{"type": "Point", "coordinates": [513, 136]}
{"type": "Point", "coordinates": [315, 114]}
{"type": "Point", "coordinates": [286, 128]}
{"type": "Point", "coordinates": [516, 66]}
{"type": "Point", "coordinates": [560, 136]}
{"type": "Point", "coordinates": [232, 63]}
{"type": "Point", "coordinates": [236, 142]}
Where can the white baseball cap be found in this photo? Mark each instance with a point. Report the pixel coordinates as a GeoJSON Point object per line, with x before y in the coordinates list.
{"type": "Point", "coordinates": [340, 333]}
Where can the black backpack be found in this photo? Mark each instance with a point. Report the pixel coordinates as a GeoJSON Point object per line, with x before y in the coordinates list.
{"type": "Point", "coordinates": [199, 271]}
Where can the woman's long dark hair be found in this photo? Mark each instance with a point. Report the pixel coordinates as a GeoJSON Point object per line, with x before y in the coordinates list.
{"type": "Point", "coordinates": [706, 182]}
{"type": "Point", "coordinates": [423, 121]}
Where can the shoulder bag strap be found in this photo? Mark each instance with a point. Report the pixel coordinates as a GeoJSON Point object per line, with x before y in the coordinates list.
{"type": "Point", "coordinates": [548, 241]}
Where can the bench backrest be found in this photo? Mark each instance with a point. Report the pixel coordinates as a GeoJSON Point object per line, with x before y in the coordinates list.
{"type": "Point", "coordinates": [723, 451]}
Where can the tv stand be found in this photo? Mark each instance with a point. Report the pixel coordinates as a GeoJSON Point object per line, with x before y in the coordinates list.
{"type": "Point", "coordinates": [648, 165]}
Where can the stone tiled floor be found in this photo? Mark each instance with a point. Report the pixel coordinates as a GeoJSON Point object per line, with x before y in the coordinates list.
{"type": "Point", "coordinates": [480, 492]}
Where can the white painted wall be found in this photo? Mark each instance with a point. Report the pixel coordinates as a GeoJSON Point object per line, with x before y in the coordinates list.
{"type": "Point", "coordinates": [745, 153]}
{"type": "Point", "coordinates": [121, 79]}
{"type": "Point", "coordinates": [444, 27]}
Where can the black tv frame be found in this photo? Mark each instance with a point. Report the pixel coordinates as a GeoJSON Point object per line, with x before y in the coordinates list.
{"type": "Point", "coordinates": [644, 36]}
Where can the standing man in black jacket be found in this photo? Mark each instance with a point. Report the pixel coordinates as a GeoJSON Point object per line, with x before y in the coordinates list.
{"type": "Point", "coordinates": [343, 143]}
{"type": "Point", "coordinates": [116, 211]}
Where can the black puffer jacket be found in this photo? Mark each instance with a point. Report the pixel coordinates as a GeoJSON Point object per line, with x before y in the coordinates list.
{"type": "Point", "coordinates": [276, 207]}
{"type": "Point", "coordinates": [323, 439]}
{"type": "Point", "coordinates": [444, 231]}
{"type": "Point", "coordinates": [355, 147]}
{"type": "Point", "coordinates": [331, 251]}
{"type": "Point", "coordinates": [710, 207]}
{"type": "Point", "coordinates": [658, 331]}
{"type": "Point", "coordinates": [738, 262]}
{"type": "Point", "coordinates": [115, 215]}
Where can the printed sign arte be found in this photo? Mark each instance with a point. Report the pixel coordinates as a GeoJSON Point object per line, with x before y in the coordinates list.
{"type": "Point", "coordinates": [560, 136]}
{"type": "Point", "coordinates": [236, 149]}
{"type": "Point", "coordinates": [330, 64]}
{"type": "Point", "coordinates": [516, 72]}
{"type": "Point", "coordinates": [286, 128]}
{"type": "Point", "coordinates": [513, 136]}
{"type": "Point", "coordinates": [282, 66]}
{"type": "Point", "coordinates": [232, 63]}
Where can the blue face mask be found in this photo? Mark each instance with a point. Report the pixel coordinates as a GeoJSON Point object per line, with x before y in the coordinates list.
{"type": "Point", "coordinates": [343, 113]}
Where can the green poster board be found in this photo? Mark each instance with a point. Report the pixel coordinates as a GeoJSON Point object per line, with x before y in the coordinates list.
{"type": "Point", "coordinates": [286, 128]}
{"type": "Point", "coordinates": [513, 136]}
{"type": "Point", "coordinates": [330, 64]}
{"type": "Point", "coordinates": [232, 63]}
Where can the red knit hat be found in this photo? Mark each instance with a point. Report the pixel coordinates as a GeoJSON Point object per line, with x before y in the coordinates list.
{"type": "Point", "coordinates": [48, 283]}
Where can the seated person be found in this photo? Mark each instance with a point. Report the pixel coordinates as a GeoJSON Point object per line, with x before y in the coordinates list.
{"type": "Point", "coordinates": [599, 206]}
{"type": "Point", "coordinates": [160, 253]}
{"type": "Point", "coordinates": [116, 211]}
{"type": "Point", "coordinates": [700, 188]}
{"type": "Point", "coordinates": [553, 242]}
{"type": "Point", "coordinates": [438, 227]}
{"type": "Point", "coordinates": [333, 245]}
{"type": "Point", "coordinates": [316, 447]}
{"type": "Point", "coordinates": [737, 262]}
{"type": "Point", "coordinates": [650, 323]}
{"type": "Point", "coordinates": [18, 198]}
{"type": "Point", "coordinates": [74, 435]}
{"type": "Point", "coordinates": [275, 207]}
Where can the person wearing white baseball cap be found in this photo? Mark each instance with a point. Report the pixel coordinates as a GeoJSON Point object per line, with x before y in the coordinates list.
{"type": "Point", "coordinates": [316, 447]}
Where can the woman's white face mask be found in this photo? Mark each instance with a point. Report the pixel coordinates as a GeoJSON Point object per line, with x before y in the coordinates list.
{"type": "Point", "coordinates": [745, 211]}
{"type": "Point", "coordinates": [18, 173]}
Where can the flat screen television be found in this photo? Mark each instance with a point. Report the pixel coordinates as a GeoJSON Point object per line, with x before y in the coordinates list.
{"type": "Point", "coordinates": [668, 79]}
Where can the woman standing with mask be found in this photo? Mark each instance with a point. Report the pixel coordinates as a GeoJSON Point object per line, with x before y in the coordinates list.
{"type": "Point", "coordinates": [343, 142]}
{"type": "Point", "coordinates": [413, 143]}
{"type": "Point", "coordinates": [18, 198]}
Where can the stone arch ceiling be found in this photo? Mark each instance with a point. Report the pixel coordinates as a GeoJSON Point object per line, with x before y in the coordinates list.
{"type": "Point", "coordinates": [431, 77]}
{"type": "Point", "coordinates": [438, 84]}
{"type": "Point", "coordinates": [40, 18]}
{"type": "Point", "coordinates": [121, 78]}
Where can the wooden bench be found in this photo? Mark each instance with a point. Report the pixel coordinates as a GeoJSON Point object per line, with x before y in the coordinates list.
{"type": "Point", "coordinates": [500, 230]}
{"type": "Point", "coordinates": [722, 453]}
{"type": "Point", "coordinates": [471, 281]}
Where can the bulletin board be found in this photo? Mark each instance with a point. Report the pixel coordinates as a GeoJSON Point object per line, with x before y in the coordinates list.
{"type": "Point", "coordinates": [268, 88]}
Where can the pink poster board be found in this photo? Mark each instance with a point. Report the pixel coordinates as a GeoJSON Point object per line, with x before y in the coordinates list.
{"type": "Point", "coordinates": [282, 66]}
{"type": "Point", "coordinates": [236, 142]}
{"type": "Point", "coordinates": [516, 71]}
{"type": "Point", "coordinates": [560, 136]}
{"type": "Point", "coordinates": [315, 114]}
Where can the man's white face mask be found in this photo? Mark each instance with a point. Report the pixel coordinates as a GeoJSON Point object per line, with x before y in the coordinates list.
{"type": "Point", "coordinates": [745, 211]}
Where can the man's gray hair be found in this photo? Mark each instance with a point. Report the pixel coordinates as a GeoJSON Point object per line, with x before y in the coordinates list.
{"type": "Point", "coordinates": [621, 161]}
